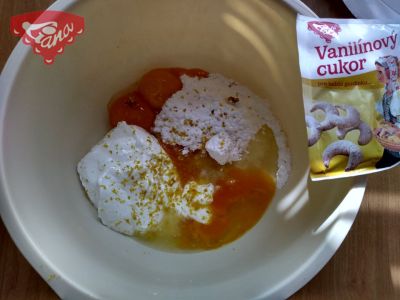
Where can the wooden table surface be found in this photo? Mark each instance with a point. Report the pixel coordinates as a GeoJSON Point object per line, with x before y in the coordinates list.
{"type": "Point", "coordinates": [366, 266]}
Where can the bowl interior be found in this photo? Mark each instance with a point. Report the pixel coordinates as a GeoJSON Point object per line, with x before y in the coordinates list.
{"type": "Point", "coordinates": [56, 113]}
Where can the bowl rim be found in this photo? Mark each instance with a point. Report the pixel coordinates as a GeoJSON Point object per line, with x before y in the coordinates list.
{"type": "Point", "coordinates": [68, 287]}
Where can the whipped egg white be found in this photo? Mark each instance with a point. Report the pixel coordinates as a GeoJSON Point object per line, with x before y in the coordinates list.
{"type": "Point", "coordinates": [132, 182]}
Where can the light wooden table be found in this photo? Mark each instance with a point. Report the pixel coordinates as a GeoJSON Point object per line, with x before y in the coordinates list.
{"type": "Point", "coordinates": [366, 266]}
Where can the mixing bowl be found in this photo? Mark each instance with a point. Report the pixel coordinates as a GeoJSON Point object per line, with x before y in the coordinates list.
{"type": "Point", "coordinates": [51, 115]}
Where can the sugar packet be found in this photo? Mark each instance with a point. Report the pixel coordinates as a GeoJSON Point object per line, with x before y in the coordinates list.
{"type": "Point", "coordinates": [351, 93]}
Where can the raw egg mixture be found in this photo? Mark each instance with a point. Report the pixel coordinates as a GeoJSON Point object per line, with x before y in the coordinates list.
{"type": "Point", "coordinates": [191, 163]}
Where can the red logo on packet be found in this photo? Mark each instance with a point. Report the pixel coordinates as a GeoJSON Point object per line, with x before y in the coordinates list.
{"type": "Point", "coordinates": [47, 32]}
{"type": "Point", "coordinates": [326, 30]}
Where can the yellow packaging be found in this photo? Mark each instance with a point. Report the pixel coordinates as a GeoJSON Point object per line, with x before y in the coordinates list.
{"type": "Point", "coordinates": [351, 92]}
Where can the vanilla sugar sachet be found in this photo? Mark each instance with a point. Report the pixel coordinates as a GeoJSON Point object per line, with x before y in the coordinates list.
{"type": "Point", "coordinates": [351, 92]}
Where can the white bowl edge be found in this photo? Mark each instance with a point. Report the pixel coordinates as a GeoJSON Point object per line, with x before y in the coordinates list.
{"type": "Point", "coordinates": [67, 287]}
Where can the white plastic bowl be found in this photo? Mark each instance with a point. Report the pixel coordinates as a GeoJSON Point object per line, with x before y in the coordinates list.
{"type": "Point", "coordinates": [52, 115]}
